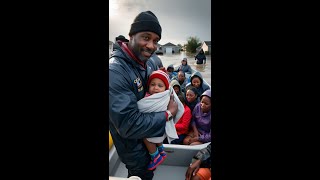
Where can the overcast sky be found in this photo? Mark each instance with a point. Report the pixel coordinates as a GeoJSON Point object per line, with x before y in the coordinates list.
{"type": "Point", "coordinates": [179, 19]}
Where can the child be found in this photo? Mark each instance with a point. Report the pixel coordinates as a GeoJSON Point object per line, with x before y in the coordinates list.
{"type": "Point", "coordinates": [182, 126]}
{"type": "Point", "coordinates": [156, 100]}
{"type": "Point", "coordinates": [171, 73]}
{"type": "Point", "coordinates": [184, 66]}
{"type": "Point", "coordinates": [177, 88]}
{"type": "Point", "coordinates": [197, 82]}
{"type": "Point", "coordinates": [192, 97]}
{"type": "Point", "coordinates": [201, 122]}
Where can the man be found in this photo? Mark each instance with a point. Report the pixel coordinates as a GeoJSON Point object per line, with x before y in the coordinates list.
{"type": "Point", "coordinates": [183, 81]}
{"type": "Point", "coordinates": [128, 76]}
{"type": "Point", "coordinates": [201, 57]}
{"type": "Point", "coordinates": [200, 167]}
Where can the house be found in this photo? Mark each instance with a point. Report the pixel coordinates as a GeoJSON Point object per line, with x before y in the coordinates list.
{"type": "Point", "coordinates": [206, 46]}
{"type": "Point", "coordinates": [170, 48]}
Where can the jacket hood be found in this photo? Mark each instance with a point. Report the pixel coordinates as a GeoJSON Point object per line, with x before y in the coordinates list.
{"type": "Point", "coordinates": [171, 65]}
{"type": "Point", "coordinates": [184, 59]}
{"type": "Point", "coordinates": [206, 93]}
{"type": "Point", "coordinates": [118, 52]}
{"type": "Point", "coordinates": [197, 74]}
{"type": "Point", "coordinates": [174, 82]}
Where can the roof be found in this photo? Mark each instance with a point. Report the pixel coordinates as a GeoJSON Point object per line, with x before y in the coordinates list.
{"type": "Point", "coordinates": [208, 43]}
{"type": "Point", "coordinates": [169, 44]}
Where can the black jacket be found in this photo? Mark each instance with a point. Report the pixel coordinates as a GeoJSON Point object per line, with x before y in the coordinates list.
{"type": "Point", "coordinates": [200, 57]}
{"type": "Point", "coordinates": [205, 156]}
{"type": "Point", "coordinates": [128, 127]}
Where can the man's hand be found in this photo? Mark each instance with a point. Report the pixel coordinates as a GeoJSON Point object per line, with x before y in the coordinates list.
{"type": "Point", "coordinates": [193, 169]}
{"type": "Point", "coordinates": [172, 106]}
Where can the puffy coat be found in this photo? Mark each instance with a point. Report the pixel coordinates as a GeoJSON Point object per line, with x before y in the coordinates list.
{"type": "Point", "coordinates": [185, 68]}
{"type": "Point", "coordinates": [203, 87]}
{"type": "Point", "coordinates": [128, 126]}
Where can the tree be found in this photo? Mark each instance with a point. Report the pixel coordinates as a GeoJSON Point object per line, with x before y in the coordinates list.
{"type": "Point", "coordinates": [192, 44]}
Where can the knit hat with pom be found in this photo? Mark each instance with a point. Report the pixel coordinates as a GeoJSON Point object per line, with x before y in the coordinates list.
{"type": "Point", "coordinates": [161, 75]}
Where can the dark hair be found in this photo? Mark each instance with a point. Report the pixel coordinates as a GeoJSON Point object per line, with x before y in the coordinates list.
{"type": "Point", "coordinates": [184, 74]}
{"type": "Point", "coordinates": [182, 99]}
{"type": "Point", "coordinates": [196, 76]}
{"type": "Point", "coordinates": [121, 38]}
{"type": "Point", "coordinates": [178, 86]}
{"type": "Point", "coordinates": [192, 88]}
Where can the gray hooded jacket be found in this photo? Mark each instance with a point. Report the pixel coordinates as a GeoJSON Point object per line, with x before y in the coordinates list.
{"type": "Point", "coordinates": [203, 87]}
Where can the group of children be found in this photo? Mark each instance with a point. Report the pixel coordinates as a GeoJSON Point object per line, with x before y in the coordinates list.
{"type": "Point", "coordinates": [192, 125]}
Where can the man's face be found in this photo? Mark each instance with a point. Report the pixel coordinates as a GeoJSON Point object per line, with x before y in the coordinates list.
{"type": "Point", "coordinates": [144, 44]}
{"type": "Point", "coordinates": [181, 77]}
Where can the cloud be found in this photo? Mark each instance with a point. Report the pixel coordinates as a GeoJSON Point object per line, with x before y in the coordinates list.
{"type": "Point", "coordinates": [179, 19]}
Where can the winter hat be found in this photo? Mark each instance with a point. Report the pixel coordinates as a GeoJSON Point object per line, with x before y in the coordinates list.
{"type": "Point", "coordinates": [184, 59]}
{"type": "Point", "coordinates": [121, 38]}
{"type": "Point", "coordinates": [161, 75]}
{"type": "Point", "coordinates": [145, 21]}
{"type": "Point", "coordinates": [206, 93]}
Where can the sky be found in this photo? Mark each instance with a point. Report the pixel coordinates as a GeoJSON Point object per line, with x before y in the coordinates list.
{"type": "Point", "coordinates": [179, 19]}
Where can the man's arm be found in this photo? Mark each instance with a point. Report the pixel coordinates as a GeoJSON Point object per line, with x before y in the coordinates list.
{"type": "Point", "coordinates": [203, 154]}
{"type": "Point", "coordinates": [124, 113]}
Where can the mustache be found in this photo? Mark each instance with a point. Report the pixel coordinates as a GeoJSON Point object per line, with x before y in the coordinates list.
{"type": "Point", "coordinates": [147, 50]}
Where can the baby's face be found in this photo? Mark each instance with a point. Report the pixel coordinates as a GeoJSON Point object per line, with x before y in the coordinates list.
{"type": "Point", "coordinates": [156, 85]}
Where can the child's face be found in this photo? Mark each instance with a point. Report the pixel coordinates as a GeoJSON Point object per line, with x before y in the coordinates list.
{"type": "Point", "coordinates": [170, 69]}
{"type": "Point", "coordinates": [176, 89]}
{"type": "Point", "coordinates": [205, 104]}
{"type": "Point", "coordinates": [184, 62]}
{"type": "Point", "coordinates": [156, 85]}
{"type": "Point", "coordinates": [196, 82]}
{"type": "Point", "coordinates": [181, 76]}
{"type": "Point", "coordinates": [191, 96]}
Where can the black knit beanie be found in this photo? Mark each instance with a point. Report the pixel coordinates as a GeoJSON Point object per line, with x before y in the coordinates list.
{"type": "Point", "coordinates": [146, 21]}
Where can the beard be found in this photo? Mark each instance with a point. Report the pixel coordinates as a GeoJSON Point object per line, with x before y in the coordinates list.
{"type": "Point", "coordinates": [142, 53]}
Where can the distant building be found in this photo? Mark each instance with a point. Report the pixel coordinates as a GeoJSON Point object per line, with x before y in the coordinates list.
{"type": "Point", "coordinates": [170, 48]}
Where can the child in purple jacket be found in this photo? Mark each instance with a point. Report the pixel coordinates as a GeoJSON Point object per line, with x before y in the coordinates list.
{"type": "Point", "coordinates": [201, 121]}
